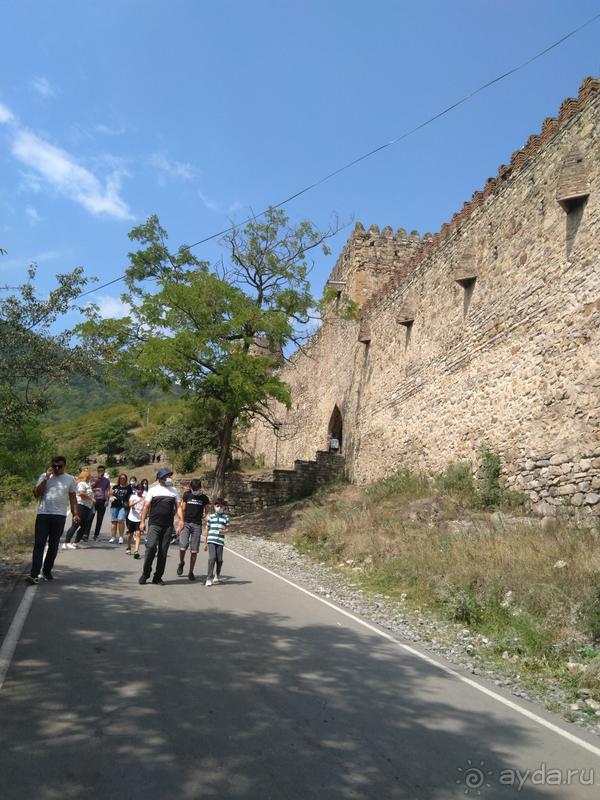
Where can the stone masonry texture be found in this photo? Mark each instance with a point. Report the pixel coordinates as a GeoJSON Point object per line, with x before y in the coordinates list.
{"type": "Point", "coordinates": [485, 333]}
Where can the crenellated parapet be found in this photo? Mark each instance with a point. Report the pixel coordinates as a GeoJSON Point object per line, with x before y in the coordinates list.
{"type": "Point", "coordinates": [370, 258]}
{"type": "Point", "coordinates": [572, 178]}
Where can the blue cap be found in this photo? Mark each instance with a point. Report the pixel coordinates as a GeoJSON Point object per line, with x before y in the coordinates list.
{"type": "Point", "coordinates": [162, 473]}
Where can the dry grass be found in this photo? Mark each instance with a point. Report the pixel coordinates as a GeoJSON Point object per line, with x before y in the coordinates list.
{"type": "Point", "coordinates": [499, 575]}
{"type": "Point", "coordinates": [16, 531]}
{"type": "Point", "coordinates": [16, 543]}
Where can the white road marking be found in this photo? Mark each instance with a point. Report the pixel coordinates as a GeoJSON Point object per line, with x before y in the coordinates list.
{"type": "Point", "coordinates": [448, 670]}
{"type": "Point", "coordinates": [12, 637]}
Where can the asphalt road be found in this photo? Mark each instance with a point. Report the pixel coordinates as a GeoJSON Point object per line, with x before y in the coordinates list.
{"type": "Point", "coordinates": [252, 689]}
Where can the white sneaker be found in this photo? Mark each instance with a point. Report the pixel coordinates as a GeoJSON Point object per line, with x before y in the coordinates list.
{"type": "Point", "coordinates": [72, 546]}
{"type": "Point", "coordinates": [111, 540]}
{"type": "Point", "coordinates": [120, 540]}
{"type": "Point", "coordinates": [216, 580]}
{"type": "Point", "coordinates": [64, 547]}
{"type": "Point", "coordinates": [208, 582]}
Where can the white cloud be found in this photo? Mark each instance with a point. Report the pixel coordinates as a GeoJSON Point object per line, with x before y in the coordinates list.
{"type": "Point", "coordinates": [33, 215]}
{"type": "Point", "coordinates": [43, 86]}
{"type": "Point", "coordinates": [59, 169]}
{"type": "Point", "coordinates": [210, 204]}
{"type": "Point", "coordinates": [109, 131]}
{"type": "Point", "coordinates": [168, 169]}
{"type": "Point", "coordinates": [6, 115]}
{"type": "Point", "coordinates": [111, 307]}
{"type": "Point", "coordinates": [23, 263]}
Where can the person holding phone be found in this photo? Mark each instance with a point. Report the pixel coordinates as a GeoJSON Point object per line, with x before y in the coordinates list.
{"type": "Point", "coordinates": [55, 491]}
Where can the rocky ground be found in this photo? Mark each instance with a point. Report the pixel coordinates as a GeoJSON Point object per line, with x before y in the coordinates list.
{"type": "Point", "coordinates": [453, 642]}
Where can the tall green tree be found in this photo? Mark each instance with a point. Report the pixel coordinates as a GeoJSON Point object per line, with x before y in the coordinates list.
{"type": "Point", "coordinates": [33, 358]}
{"type": "Point", "coordinates": [186, 437]}
{"type": "Point", "coordinates": [110, 436]}
{"type": "Point", "coordinates": [217, 332]}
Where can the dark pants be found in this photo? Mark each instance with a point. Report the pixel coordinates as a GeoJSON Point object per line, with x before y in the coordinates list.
{"type": "Point", "coordinates": [215, 555]}
{"type": "Point", "coordinates": [85, 531]}
{"type": "Point", "coordinates": [48, 528]}
{"type": "Point", "coordinates": [100, 511]}
{"type": "Point", "coordinates": [157, 545]}
{"type": "Point", "coordinates": [85, 515]}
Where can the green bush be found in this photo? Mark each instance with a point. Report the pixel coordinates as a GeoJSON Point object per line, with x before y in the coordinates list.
{"type": "Point", "coordinates": [313, 528]}
{"type": "Point", "coordinates": [401, 484]}
{"type": "Point", "coordinates": [457, 479]}
{"type": "Point", "coordinates": [488, 494]}
{"type": "Point", "coordinates": [16, 491]}
{"type": "Point", "coordinates": [464, 606]}
{"type": "Point", "coordinates": [136, 452]}
{"type": "Point", "coordinates": [484, 494]}
{"type": "Point", "coordinates": [185, 460]}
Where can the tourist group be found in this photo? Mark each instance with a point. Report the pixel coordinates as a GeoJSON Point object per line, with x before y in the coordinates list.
{"type": "Point", "coordinates": [155, 512]}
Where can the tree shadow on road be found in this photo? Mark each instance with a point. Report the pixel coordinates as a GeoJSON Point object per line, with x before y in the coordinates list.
{"type": "Point", "coordinates": [134, 697]}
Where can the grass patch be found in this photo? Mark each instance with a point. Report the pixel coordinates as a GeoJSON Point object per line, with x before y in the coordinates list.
{"type": "Point", "coordinates": [401, 484]}
{"type": "Point", "coordinates": [17, 531]}
{"type": "Point", "coordinates": [408, 535]}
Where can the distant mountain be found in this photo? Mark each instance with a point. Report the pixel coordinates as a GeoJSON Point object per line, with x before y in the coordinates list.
{"type": "Point", "coordinates": [84, 396]}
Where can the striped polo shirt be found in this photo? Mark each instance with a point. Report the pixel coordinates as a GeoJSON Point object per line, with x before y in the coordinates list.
{"type": "Point", "coordinates": [216, 524]}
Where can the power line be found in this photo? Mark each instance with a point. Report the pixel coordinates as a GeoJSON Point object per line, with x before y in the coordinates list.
{"type": "Point", "coordinates": [387, 144]}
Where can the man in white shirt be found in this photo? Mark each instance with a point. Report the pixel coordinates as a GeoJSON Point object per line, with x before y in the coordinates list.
{"type": "Point", "coordinates": [56, 491]}
{"type": "Point", "coordinates": [161, 505]}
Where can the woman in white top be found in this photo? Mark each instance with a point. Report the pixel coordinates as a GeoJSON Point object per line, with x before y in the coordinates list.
{"type": "Point", "coordinates": [85, 505]}
{"type": "Point", "coordinates": [136, 504]}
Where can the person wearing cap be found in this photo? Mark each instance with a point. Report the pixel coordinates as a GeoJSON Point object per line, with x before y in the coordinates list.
{"type": "Point", "coordinates": [160, 506]}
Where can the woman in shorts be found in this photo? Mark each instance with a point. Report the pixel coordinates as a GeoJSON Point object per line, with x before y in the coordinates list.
{"type": "Point", "coordinates": [120, 494]}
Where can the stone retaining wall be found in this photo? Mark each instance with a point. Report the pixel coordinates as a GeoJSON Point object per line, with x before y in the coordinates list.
{"type": "Point", "coordinates": [552, 481]}
{"type": "Point", "coordinates": [246, 492]}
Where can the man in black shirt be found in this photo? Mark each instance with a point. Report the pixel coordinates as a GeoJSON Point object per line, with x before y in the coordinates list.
{"type": "Point", "coordinates": [162, 503]}
{"type": "Point", "coordinates": [193, 506]}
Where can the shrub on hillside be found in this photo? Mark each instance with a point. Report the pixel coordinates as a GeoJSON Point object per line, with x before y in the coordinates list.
{"type": "Point", "coordinates": [137, 453]}
{"type": "Point", "coordinates": [403, 483]}
{"type": "Point", "coordinates": [457, 480]}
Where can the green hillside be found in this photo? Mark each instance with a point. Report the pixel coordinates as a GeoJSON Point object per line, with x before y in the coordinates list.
{"type": "Point", "coordinates": [84, 396]}
{"type": "Point", "coordinates": [137, 412]}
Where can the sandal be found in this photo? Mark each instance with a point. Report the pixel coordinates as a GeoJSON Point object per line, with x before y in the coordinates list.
{"type": "Point", "coordinates": [136, 554]}
{"type": "Point", "coordinates": [127, 552]}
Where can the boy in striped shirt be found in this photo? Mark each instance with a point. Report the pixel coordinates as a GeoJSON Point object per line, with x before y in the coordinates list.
{"type": "Point", "coordinates": [217, 525]}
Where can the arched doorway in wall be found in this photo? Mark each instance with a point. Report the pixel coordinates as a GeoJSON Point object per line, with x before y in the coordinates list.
{"type": "Point", "coordinates": [335, 430]}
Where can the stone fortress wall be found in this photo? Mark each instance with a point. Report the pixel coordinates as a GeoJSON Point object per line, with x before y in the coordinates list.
{"type": "Point", "coordinates": [485, 333]}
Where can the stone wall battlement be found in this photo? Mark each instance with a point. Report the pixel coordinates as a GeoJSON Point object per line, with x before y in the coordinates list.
{"type": "Point", "coordinates": [487, 333]}
{"type": "Point", "coordinates": [550, 126]}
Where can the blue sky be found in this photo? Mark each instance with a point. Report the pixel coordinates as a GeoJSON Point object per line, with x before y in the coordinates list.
{"type": "Point", "coordinates": [203, 111]}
